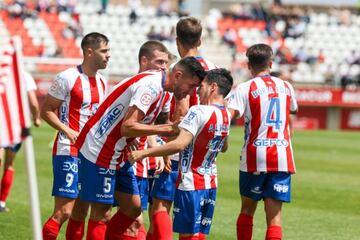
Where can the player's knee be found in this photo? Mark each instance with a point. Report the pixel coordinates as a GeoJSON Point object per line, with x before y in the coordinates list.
{"type": "Point", "coordinates": [136, 210]}
{"type": "Point", "coordinates": [62, 215]}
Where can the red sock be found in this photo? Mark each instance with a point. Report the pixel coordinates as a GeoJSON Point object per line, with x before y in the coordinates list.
{"type": "Point", "coordinates": [244, 227]}
{"type": "Point", "coordinates": [6, 183]}
{"type": "Point", "coordinates": [50, 229]}
{"type": "Point", "coordinates": [141, 233]}
{"type": "Point", "coordinates": [273, 233]}
{"type": "Point", "coordinates": [118, 225]}
{"type": "Point", "coordinates": [75, 229]}
{"type": "Point", "coordinates": [202, 236]}
{"type": "Point", "coordinates": [96, 230]}
{"type": "Point", "coordinates": [126, 237]}
{"type": "Point", "coordinates": [162, 225]}
{"type": "Point", "coordinates": [189, 238]}
{"type": "Point", "coordinates": [150, 236]}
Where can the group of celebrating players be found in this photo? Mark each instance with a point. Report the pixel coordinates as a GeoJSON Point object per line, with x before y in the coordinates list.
{"type": "Point", "coordinates": [152, 142]}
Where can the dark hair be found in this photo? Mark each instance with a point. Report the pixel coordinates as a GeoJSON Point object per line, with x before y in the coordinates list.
{"type": "Point", "coordinates": [222, 78]}
{"type": "Point", "coordinates": [192, 67]}
{"type": "Point", "coordinates": [188, 31]}
{"type": "Point", "coordinates": [259, 56]}
{"type": "Point", "coordinates": [93, 40]}
{"type": "Point", "coordinates": [148, 48]}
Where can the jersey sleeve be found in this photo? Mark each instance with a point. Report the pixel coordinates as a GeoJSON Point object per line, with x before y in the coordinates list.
{"type": "Point", "coordinates": [192, 120]}
{"type": "Point", "coordinates": [235, 100]}
{"type": "Point", "coordinates": [60, 87]}
{"type": "Point", "coordinates": [293, 102]}
{"type": "Point", "coordinates": [144, 94]}
{"type": "Point", "coordinates": [29, 81]}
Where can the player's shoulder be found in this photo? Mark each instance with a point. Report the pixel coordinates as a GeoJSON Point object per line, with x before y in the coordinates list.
{"type": "Point", "coordinates": [199, 109]}
{"type": "Point", "coordinates": [68, 74]}
{"type": "Point", "coordinates": [207, 64]}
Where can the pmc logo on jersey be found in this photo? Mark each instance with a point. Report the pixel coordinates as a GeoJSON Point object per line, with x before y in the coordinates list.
{"type": "Point", "coordinates": [108, 120]}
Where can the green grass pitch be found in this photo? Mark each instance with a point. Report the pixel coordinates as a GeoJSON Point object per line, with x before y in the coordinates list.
{"type": "Point", "coordinates": [325, 190]}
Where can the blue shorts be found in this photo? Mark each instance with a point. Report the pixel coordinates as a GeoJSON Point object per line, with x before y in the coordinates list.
{"type": "Point", "coordinates": [127, 182]}
{"type": "Point", "coordinates": [164, 183]}
{"type": "Point", "coordinates": [194, 210]}
{"type": "Point", "coordinates": [14, 148]}
{"type": "Point", "coordinates": [65, 171]}
{"type": "Point", "coordinates": [96, 184]}
{"type": "Point", "coordinates": [262, 185]}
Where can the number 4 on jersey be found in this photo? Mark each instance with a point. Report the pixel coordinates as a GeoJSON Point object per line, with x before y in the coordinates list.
{"type": "Point", "coordinates": [273, 114]}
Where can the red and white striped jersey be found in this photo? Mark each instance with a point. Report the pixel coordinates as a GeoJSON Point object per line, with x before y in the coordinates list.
{"type": "Point", "coordinates": [194, 97]}
{"type": "Point", "coordinates": [266, 103]}
{"type": "Point", "coordinates": [101, 141]}
{"type": "Point", "coordinates": [81, 96]}
{"type": "Point", "coordinates": [141, 167]}
{"type": "Point", "coordinates": [209, 124]}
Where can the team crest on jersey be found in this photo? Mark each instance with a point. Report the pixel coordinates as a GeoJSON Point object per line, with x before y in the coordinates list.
{"type": "Point", "coordinates": [190, 117]}
{"type": "Point", "coordinates": [146, 99]}
{"type": "Point", "coordinates": [108, 120]}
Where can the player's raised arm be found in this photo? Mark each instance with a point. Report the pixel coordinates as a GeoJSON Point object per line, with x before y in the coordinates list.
{"type": "Point", "coordinates": [132, 126]}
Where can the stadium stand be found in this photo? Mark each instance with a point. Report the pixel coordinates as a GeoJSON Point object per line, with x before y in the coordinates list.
{"type": "Point", "coordinates": [312, 47]}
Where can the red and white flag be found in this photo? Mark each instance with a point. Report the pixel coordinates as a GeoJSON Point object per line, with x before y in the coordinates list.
{"type": "Point", "coordinates": [14, 110]}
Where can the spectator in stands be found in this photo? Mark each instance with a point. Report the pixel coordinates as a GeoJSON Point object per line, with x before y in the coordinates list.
{"type": "Point", "coordinates": [284, 56]}
{"type": "Point", "coordinates": [104, 4]}
{"type": "Point", "coordinates": [164, 8]}
{"type": "Point", "coordinates": [354, 58]}
{"type": "Point", "coordinates": [152, 34]}
{"type": "Point", "coordinates": [230, 37]}
{"type": "Point", "coordinates": [301, 55]}
{"type": "Point", "coordinates": [42, 5]}
{"type": "Point", "coordinates": [133, 5]}
{"type": "Point", "coordinates": [258, 12]}
{"type": "Point", "coordinates": [182, 8]}
{"type": "Point", "coordinates": [212, 21]}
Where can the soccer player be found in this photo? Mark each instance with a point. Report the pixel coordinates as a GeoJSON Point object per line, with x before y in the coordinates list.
{"type": "Point", "coordinates": [132, 184]}
{"type": "Point", "coordinates": [73, 97]}
{"type": "Point", "coordinates": [10, 152]}
{"type": "Point", "coordinates": [125, 114]}
{"type": "Point", "coordinates": [204, 128]}
{"type": "Point", "coordinates": [267, 161]}
{"type": "Point", "coordinates": [188, 40]}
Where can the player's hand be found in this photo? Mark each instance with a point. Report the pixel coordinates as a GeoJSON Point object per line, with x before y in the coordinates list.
{"type": "Point", "coordinates": [159, 165]}
{"type": "Point", "coordinates": [167, 164]}
{"type": "Point", "coordinates": [135, 156]}
{"type": "Point", "coordinates": [134, 145]}
{"type": "Point", "coordinates": [71, 135]}
{"type": "Point", "coordinates": [37, 122]}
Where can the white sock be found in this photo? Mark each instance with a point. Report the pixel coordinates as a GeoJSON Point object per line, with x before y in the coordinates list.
{"type": "Point", "coordinates": [2, 204]}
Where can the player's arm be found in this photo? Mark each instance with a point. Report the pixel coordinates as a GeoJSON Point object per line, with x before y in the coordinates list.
{"type": "Point", "coordinates": [49, 114]}
{"type": "Point", "coordinates": [233, 113]}
{"type": "Point", "coordinates": [34, 108]}
{"type": "Point", "coordinates": [174, 146]}
{"type": "Point", "coordinates": [132, 126]}
{"type": "Point", "coordinates": [225, 146]}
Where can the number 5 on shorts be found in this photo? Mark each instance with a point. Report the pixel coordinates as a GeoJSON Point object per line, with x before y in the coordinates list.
{"type": "Point", "coordinates": [107, 185]}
